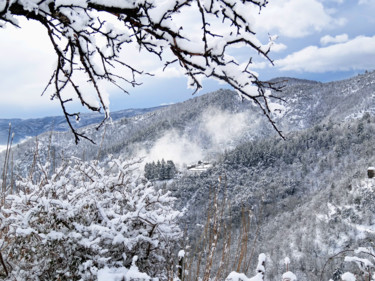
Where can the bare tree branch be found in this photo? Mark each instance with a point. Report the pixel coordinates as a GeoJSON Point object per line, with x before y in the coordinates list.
{"type": "Point", "coordinates": [75, 28]}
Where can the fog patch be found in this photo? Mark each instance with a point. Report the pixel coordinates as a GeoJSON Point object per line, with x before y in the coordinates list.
{"type": "Point", "coordinates": [211, 133]}
{"type": "Point", "coordinates": [224, 127]}
{"type": "Point", "coordinates": [173, 146]}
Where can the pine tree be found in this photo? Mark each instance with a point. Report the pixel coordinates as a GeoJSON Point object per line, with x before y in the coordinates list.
{"type": "Point", "coordinates": [148, 171]}
{"type": "Point", "coordinates": [157, 170]}
{"type": "Point", "coordinates": [163, 170]}
{"type": "Point", "coordinates": [170, 169]}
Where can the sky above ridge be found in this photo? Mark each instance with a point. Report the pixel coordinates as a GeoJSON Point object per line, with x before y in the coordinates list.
{"type": "Point", "coordinates": [322, 40]}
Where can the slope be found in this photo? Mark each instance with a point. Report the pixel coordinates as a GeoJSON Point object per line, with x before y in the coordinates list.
{"type": "Point", "coordinates": [310, 194]}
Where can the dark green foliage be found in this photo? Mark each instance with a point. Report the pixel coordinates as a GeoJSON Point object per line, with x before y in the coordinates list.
{"type": "Point", "coordinates": [160, 171]}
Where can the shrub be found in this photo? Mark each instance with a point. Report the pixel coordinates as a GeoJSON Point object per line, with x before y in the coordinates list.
{"type": "Point", "coordinates": [83, 218]}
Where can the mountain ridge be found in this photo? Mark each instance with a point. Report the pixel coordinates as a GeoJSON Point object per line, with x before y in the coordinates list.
{"type": "Point", "coordinates": [31, 127]}
{"type": "Point", "coordinates": [199, 122]}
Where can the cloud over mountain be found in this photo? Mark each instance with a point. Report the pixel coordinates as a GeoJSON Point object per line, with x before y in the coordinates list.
{"type": "Point", "coordinates": [355, 54]}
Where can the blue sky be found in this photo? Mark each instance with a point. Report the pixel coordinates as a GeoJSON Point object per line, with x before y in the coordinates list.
{"type": "Point", "coordinates": [322, 40]}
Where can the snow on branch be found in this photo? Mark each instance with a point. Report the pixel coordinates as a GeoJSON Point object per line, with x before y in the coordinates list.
{"type": "Point", "coordinates": [84, 218]}
{"type": "Point", "coordinates": [89, 36]}
{"type": "Point", "coordinates": [260, 272]}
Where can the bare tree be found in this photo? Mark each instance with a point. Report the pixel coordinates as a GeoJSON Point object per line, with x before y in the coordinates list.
{"type": "Point", "coordinates": [88, 37]}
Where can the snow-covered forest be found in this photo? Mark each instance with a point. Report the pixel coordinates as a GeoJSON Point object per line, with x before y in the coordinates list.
{"type": "Point", "coordinates": [271, 180]}
{"type": "Point", "coordinates": [263, 208]}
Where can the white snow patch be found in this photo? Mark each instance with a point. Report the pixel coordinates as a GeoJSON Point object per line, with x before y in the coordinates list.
{"type": "Point", "coordinates": [261, 262]}
{"type": "Point", "coordinates": [235, 276]}
{"type": "Point", "coordinates": [112, 274]}
{"type": "Point", "coordinates": [363, 262]}
{"type": "Point", "coordinates": [122, 273]}
{"type": "Point", "coordinates": [181, 254]}
{"type": "Point", "coordinates": [347, 276]}
{"type": "Point", "coordinates": [278, 110]}
{"type": "Point", "coordinates": [289, 276]}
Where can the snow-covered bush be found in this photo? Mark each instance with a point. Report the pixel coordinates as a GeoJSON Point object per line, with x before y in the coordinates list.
{"type": "Point", "coordinates": [260, 272]}
{"type": "Point", "coordinates": [83, 218]}
{"type": "Point", "coordinates": [358, 267]}
{"type": "Point", "coordinates": [364, 259]}
{"type": "Point", "coordinates": [347, 276]}
{"type": "Point", "coordinates": [288, 275]}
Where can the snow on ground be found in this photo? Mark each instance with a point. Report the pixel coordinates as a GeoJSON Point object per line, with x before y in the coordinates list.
{"type": "Point", "coordinates": [112, 274]}
{"type": "Point", "coordinates": [347, 276]}
{"type": "Point", "coordinates": [235, 276]}
{"type": "Point", "coordinates": [290, 276]}
{"type": "Point", "coordinates": [200, 168]}
{"type": "Point", "coordinates": [122, 273]}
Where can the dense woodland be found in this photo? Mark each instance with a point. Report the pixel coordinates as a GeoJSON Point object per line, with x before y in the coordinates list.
{"type": "Point", "coordinates": [294, 185]}
{"type": "Point", "coordinates": [161, 170]}
{"type": "Point", "coordinates": [306, 197]}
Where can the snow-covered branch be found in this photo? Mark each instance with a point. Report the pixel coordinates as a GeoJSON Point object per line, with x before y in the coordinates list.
{"type": "Point", "coordinates": [84, 218]}
{"type": "Point", "coordinates": [89, 37]}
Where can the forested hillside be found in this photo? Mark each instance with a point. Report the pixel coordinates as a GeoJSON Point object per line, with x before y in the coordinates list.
{"type": "Point", "coordinates": [310, 193]}
{"type": "Point", "coordinates": [200, 125]}
{"type": "Point", "coordinates": [306, 197]}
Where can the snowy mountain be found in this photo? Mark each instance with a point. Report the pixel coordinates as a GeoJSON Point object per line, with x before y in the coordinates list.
{"type": "Point", "coordinates": [202, 125]}
{"type": "Point", "coordinates": [26, 128]}
{"type": "Point", "coordinates": [309, 103]}
{"type": "Point", "coordinates": [309, 195]}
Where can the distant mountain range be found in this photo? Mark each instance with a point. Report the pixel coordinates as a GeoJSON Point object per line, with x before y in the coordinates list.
{"type": "Point", "coordinates": [24, 128]}
{"type": "Point", "coordinates": [308, 102]}
{"type": "Point", "coordinates": [209, 123]}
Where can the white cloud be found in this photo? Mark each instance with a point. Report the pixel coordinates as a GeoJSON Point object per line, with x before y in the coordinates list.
{"type": "Point", "coordinates": [26, 64]}
{"type": "Point", "coordinates": [215, 130]}
{"type": "Point", "coordinates": [220, 127]}
{"type": "Point", "coordinates": [173, 146]}
{"type": "Point", "coordinates": [173, 71]}
{"type": "Point", "coordinates": [167, 103]}
{"type": "Point", "coordinates": [296, 18]}
{"type": "Point", "coordinates": [328, 39]}
{"type": "Point", "coordinates": [356, 54]}
{"type": "Point", "coordinates": [28, 61]}
{"type": "Point", "coordinates": [278, 47]}
{"type": "Point", "coordinates": [260, 65]}
{"type": "Point", "coordinates": [335, 1]}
